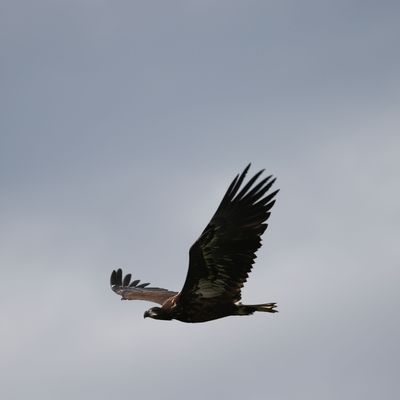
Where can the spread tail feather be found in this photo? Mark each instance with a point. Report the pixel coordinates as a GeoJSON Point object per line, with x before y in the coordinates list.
{"type": "Point", "coordinates": [249, 309]}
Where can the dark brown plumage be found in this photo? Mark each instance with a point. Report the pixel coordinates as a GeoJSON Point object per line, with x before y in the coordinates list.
{"type": "Point", "coordinates": [219, 261]}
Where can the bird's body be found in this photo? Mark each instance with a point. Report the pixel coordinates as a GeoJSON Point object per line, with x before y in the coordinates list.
{"type": "Point", "coordinates": [219, 261]}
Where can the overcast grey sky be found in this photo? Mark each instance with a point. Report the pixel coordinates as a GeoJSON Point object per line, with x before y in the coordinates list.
{"type": "Point", "coordinates": [122, 124]}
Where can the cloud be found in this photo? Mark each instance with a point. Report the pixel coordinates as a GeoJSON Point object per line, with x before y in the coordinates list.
{"type": "Point", "coordinates": [123, 126]}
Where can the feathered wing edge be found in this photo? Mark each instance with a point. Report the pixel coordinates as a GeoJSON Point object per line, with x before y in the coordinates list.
{"type": "Point", "coordinates": [249, 194]}
{"type": "Point", "coordinates": [135, 291]}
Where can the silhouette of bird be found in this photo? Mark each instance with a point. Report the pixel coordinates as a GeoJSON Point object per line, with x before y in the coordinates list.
{"type": "Point", "coordinates": [219, 260]}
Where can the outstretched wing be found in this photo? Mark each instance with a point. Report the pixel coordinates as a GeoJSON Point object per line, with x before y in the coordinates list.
{"type": "Point", "coordinates": [134, 291]}
{"type": "Point", "coordinates": [221, 259]}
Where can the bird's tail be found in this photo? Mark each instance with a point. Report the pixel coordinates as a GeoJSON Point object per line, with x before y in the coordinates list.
{"type": "Point", "coordinates": [243, 309]}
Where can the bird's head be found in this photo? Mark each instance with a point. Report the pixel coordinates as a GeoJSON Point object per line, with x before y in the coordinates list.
{"type": "Point", "coordinates": [157, 313]}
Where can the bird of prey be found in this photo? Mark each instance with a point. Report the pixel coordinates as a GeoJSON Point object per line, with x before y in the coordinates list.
{"type": "Point", "coordinates": [219, 260]}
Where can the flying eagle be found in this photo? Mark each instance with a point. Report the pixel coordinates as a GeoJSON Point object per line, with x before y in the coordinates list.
{"type": "Point", "coordinates": [219, 261]}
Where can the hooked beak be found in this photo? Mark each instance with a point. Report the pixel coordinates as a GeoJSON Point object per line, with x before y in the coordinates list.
{"type": "Point", "coordinates": [146, 314]}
